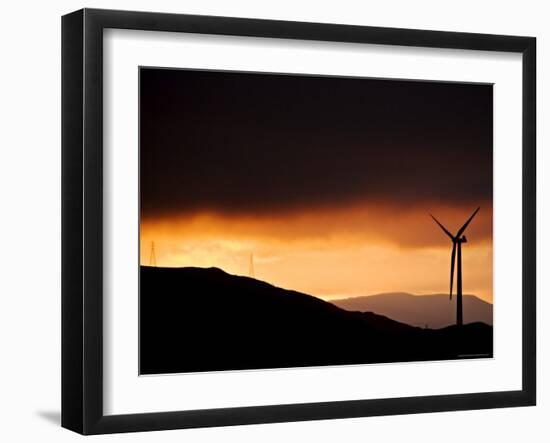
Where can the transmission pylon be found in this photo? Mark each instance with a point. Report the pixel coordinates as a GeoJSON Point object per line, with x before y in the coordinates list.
{"type": "Point", "coordinates": [251, 266]}
{"type": "Point", "coordinates": [153, 255]}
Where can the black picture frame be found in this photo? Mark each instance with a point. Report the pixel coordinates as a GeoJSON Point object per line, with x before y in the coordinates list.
{"type": "Point", "coordinates": [82, 218]}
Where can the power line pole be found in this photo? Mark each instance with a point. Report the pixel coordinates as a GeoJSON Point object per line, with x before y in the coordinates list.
{"type": "Point", "coordinates": [251, 266]}
{"type": "Point", "coordinates": [153, 255]}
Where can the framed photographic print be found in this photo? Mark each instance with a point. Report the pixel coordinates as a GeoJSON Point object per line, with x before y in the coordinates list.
{"type": "Point", "coordinates": [269, 221]}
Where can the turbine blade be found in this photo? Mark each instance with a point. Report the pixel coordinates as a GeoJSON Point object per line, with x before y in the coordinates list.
{"type": "Point", "coordinates": [453, 257]}
{"type": "Point", "coordinates": [461, 231]}
{"type": "Point", "coordinates": [442, 227]}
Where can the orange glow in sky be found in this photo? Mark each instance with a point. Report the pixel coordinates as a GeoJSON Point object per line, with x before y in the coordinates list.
{"type": "Point", "coordinates": [332, 252]}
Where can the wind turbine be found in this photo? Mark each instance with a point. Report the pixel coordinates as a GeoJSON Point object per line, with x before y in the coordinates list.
{"type": "Point", "coordinates": [457, 240]}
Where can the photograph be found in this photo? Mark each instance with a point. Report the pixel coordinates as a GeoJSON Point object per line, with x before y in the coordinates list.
{"type": "Point", "coordinates": [295, 220]}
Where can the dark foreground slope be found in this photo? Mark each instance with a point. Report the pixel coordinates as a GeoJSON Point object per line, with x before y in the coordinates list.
{"type": "Point", "coordinates": [194, 319]}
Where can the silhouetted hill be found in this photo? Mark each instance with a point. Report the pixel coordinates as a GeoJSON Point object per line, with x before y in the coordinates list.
{"type": "Point", "coordinates": [435, 310]}
{"type": "Point", "coordinates": [195, 319]}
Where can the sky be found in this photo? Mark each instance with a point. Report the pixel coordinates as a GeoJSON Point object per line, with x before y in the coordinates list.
{"type": "Point", "coordinates": [328, 182]}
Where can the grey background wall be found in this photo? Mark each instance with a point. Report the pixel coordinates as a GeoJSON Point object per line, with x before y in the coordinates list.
{"type": "Point", "coordinates": [30, 218]}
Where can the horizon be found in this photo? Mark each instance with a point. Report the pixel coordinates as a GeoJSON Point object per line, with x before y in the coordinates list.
{"type": "Point", "coordinates": [336, 298]}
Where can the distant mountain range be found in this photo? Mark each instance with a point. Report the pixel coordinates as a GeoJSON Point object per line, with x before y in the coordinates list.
{"type": "Point", "coordinates": [434, 311]}
{"type": "Point", "coordinates": [196, 319]}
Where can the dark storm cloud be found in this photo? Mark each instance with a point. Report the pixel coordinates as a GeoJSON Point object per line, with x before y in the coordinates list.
{"type": "Point", "coordinates": [253, 143]}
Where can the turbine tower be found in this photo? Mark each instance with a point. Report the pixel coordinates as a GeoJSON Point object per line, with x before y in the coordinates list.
{"type": "Point", "coordinates": [457, 240]}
